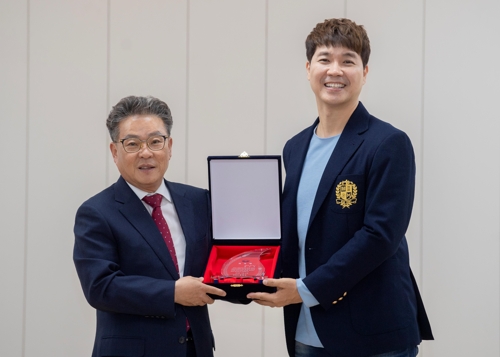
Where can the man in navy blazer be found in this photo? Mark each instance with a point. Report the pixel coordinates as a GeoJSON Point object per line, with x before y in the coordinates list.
{"type": "Point", "coordinates": [347, 288]}
{"type": "Point", "coordinates": [149, 300]}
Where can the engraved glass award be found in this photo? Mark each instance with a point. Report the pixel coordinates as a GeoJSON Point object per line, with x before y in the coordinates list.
{"type": "Point", "coordinates": [245, 265]}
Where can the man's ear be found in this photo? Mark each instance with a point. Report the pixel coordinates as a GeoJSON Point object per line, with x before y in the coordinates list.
{"type": "Point", "coordinates": [170, 142]}
{"type": "Point", "coordinates": [365, 73]}
{"type": "Point", "coordinates": [114, 151]}
{"type": "Point", "coordinates": [308, 69]}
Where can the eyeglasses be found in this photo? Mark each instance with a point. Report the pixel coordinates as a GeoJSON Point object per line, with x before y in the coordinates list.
{"type": "Point", "coordinates": [154, 143]}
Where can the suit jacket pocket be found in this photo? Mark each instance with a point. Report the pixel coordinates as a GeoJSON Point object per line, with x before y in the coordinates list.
{"type": "Point", "coordinates": [122, 346]}
{"type": "Point", "coordinates": [378, 303]}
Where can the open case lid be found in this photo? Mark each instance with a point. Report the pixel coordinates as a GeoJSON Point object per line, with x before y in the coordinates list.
{"type": "Point", "coordinates": [246, 199]}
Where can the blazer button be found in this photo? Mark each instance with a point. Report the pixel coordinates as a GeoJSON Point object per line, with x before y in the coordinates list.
{"type": "Point", "coordinates": [182, 339]}
{"type": "Point", "coordinates": [334, 302]}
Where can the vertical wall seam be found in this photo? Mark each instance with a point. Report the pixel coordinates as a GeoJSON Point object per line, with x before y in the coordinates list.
{"type": "Point", "coordinates": [266, 128]}
{"type": "Point", "coordinates": [186, 120]}
{"type": "Point", "coordinates": [266, 63]}
{"type": "Point", "coordinates": [26, 181]}
{"type": "Point", "coordinates": [108, 85]}
{"type": "Point", "coordinates": [422, 151]}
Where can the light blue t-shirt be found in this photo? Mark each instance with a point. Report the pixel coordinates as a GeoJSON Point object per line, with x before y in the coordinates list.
{"type": "Point", "coordinates": [318, 154]}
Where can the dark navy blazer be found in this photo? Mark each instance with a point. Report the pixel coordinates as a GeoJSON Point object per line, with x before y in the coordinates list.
{"type": "Point", "coordinates": [356, 252]}
{"type": "Point", "coordinates": [128, 276]}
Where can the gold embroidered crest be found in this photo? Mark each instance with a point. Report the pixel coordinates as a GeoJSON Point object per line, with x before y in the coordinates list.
{"type": "Point", "coordinates": [346, 192]}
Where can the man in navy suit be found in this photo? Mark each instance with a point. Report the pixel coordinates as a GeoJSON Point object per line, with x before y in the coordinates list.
{"type": "Point", "coordinates": [347, 288]}
{"type": "Point", "coordinates": [141, 277]}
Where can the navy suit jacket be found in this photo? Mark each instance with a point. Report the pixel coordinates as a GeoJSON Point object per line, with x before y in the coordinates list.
{"type": "Point", "coordinates": [128, 276]}
{"type": "Point", "coordinates": [356, 252]}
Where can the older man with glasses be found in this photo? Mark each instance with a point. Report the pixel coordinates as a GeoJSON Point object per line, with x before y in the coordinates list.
{"type": "Point", "coordinates": [142, 243]}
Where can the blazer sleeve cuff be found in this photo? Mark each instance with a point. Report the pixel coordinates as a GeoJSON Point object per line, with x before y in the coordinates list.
{"type": "Point", "coordinates": [307, 297]}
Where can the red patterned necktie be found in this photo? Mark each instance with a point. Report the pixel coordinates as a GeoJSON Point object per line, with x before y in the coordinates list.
{"type": "Point", "coordinates": [155, 202]}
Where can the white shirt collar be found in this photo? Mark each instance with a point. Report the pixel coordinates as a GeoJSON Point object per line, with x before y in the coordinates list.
{"type": "Point", "coordinates": [162, 190]}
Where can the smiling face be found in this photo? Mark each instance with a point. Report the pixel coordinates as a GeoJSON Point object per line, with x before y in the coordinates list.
{"type": "Point", "coordinates": [143, 169]}
{"type": "Point", "coordinates": [336, 75]}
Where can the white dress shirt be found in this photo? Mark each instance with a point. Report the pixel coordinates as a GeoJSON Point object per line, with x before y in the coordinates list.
{"type": "Point", "coordinates": [170, 214]}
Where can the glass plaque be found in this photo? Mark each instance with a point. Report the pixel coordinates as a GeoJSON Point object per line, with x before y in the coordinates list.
{"type": "Point", "coordinates": [245, 265]}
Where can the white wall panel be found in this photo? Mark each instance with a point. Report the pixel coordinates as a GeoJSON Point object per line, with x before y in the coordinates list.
{"type": "Point", "coordinates": [226, 82]}
{"type": "Point", "coordinates": [13, 128]}
{"type": "Point", "coordinates": [147, 56]}
{"type": "Point", "coordinates": [273, 333]}
{"type": "Point", "coordinates": [67, 103]}
{"type": "Point", "coordinates": [237, 329]}
{"type": "Point", "coordinates": [226, 86]}
{"type": "Point", "coordinates": [461, 177]}
{"type": "Point", "coordinates": [393, 91]}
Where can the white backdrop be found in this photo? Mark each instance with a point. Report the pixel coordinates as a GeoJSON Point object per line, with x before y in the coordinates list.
{"type": "Point", "coordinates": [233, 73]}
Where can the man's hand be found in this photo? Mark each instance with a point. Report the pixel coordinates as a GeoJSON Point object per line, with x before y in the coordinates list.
{"type": "Point", "coordinates": [286, 294]}
{"type": "Point", "coordinates": [190, 291]}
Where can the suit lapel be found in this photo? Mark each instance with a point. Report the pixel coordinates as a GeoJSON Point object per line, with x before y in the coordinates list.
{"type": "Point", "coordinates": [295, 165]}
{"type": "Point", "coordinates": [135, 212]}
{"type": "Point", "coordinates": [294, 156]}
{"type": "Point", "coordinates": [348, 143]}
